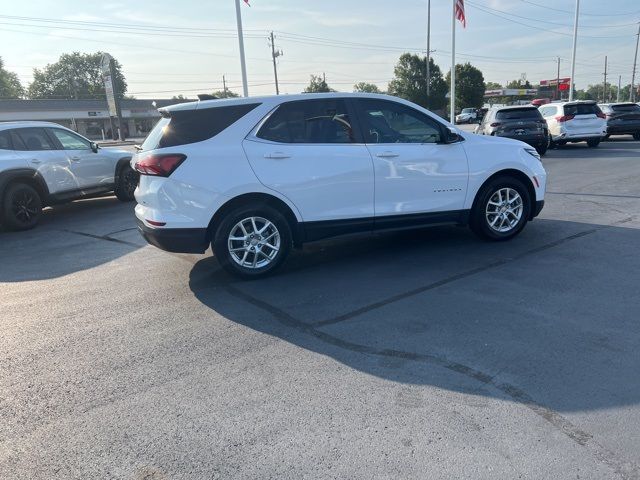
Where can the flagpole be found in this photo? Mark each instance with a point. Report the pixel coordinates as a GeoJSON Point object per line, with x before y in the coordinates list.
{"type": "Point", "coordinates": [452, 91]}
{"type": "Point", "coordinates": [243, 65]}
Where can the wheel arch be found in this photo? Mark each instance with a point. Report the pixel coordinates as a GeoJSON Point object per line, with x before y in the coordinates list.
{"type": "Point", "coordinates": [513, 173]}
{"type": "Point", "coordinates": [120, 164]}
{"type": "Point", "coordinates": [261, 199]}
{"type": "Point", "coordinates": [28, 176]}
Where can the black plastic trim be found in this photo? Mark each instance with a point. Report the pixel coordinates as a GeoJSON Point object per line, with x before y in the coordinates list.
{"type": "Point", "coordinates": [29, 174]}
{"type": "Point", "coordinates": [538, 209]}
{"type": "Point", "coordinates": [176, 240]}
{"type": "Point", "coordinates": [77, 193]}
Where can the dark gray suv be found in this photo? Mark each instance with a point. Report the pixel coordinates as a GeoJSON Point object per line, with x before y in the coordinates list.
{"type": "Point", "coordinates": [521, 122]}
{"type": "Point", "coordinates": [622, 119]}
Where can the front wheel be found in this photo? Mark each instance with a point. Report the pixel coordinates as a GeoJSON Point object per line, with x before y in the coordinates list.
{"type": "Point", "coordinates": [593, 142]}
{"type": "Point", "coordinates": [126, 184]}
{"type": "Point", "coordinates": [21, 207]}
{"type": "Point", "coordinates": [252, 242]}
{"type": "Point", "coordinates": [501, 209]}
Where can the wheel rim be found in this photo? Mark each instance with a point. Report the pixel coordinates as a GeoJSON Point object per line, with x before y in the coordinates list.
{"type": "Point", "coordinates": [504, 210]}
{"type": "Point", "coordinates": [254, 242]}
{"type": "Point", "coordinates": [24, 207]}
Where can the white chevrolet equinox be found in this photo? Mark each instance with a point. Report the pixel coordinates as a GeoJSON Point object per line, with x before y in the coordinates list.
{"type": "Point", "coordinates": [255, 176]}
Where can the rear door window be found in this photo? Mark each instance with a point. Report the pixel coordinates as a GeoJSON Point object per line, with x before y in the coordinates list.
{"type": "Point", "coordinates": [190, 126]}
{"type": "Point", "coordinates": [519, 114]}
{"type": "Point", "coordinates": [34, 139]}
{"type": "Point", "coordinates": [5, 140]}
{"type": "Point", "coordinates": [309, 121]}
{"type": "Point", "coordinates": [581, 109]}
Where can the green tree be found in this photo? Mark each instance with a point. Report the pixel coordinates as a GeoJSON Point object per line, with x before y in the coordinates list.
{"type": "Point", "coordinates": [10, 86]}
{"type": "Point", "coordinates": [469, 86]}
{"type": "Point", "coordinates": [318, 84]}
{"type": "Point", "coordinates": [225, 94]}
{"type": "Point", "coordinates": [519, 84]}
{"type": "Point", "coordinates": [365, 87]}
{"type": "Point", "coordinates": [410, 82]}
{"type": "Point", "coordinates": [74, 75]}
{"type": "Point", "coordinates": [179, 97]}
{"type": "Point", "coordinates": [492, 86]}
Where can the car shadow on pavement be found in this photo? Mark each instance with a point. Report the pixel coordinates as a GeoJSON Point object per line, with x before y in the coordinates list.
{"type": "Point", "coordinates": [548, 320]}
{"type": "Point", "coordinates": [68, 239]}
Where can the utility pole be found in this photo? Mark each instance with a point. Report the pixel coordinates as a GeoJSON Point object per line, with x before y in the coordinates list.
{"type": "Point", "coordinates": [428, 51]}
{"type": "Point", "coordinates": [243, 65]}
{"type": "Point", "coordinates": [116, 93]}
{"type": "Point", "coordinates": [632, 93]}
{"type": "Point", "coordinates": [604, 86]}
{"type": "Point", "coordinates": [558, 81]}
{"type": "Point", "coordinates": [224, 85]}
{"type": "Point", "coordinates": [619, 81]}
{"type": "Point", "coordinates": [573, 55]}
{"type": "Point", "coordinates": [275, 54]}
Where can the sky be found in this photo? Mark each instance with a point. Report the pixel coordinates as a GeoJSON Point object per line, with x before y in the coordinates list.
{"type": "Point", "coordinates": [185, 47]}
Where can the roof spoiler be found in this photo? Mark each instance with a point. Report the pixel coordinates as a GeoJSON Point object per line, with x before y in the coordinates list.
{"type": "Point", "coordinates": [206, 96]}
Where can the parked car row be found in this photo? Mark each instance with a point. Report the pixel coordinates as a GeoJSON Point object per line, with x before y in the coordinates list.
{"type": "Point", "coordinates": [558, 123]}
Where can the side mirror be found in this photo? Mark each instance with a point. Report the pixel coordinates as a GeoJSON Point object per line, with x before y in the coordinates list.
{"type": "Point", "coordinates": [451, 136]}
{"type": "Point", "coordinates": [94, 147]}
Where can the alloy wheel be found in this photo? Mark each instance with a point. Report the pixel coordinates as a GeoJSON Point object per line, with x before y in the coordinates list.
{"type": "Point", "coordinates": [24, 207]}
{"type": "Point", "coordinates": [504, 210]}
{"type": "Point", "coordinates": [254, 242]}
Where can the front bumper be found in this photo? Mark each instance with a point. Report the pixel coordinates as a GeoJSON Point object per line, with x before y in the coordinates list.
{"type": "Point", "coordinates": [177, 240]}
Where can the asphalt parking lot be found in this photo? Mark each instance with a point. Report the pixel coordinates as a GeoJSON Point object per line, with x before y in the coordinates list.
{"type": "Point", "coordinates": [424, 354]}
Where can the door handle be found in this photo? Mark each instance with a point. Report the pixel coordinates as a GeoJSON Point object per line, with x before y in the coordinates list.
{"type": "Point", "coordinates": [387, 155]}
{"type": "Point", "coordinates": [74, 159]}
{"type": "Point", "coordinates": [277, 155]}
{"type": "Point", "coordinates": [35, 160]}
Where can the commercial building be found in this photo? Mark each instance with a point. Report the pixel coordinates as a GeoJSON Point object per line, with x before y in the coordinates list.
{"type": "Point", "coordinates": [87, 117]}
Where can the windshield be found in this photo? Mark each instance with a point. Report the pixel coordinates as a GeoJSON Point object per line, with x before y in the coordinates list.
{"type": "Point", "coordinates": [468, 110]}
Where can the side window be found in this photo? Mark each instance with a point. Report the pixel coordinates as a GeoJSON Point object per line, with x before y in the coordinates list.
{"type": "Point", "coordinates": [35, 139]}
{"type": "Point", "coordinates": [390, 122]}
{"type": "Point", "coordinates": [70, 141]}
{"type": "Point", "coordinates": [5, 140]}
{"type": "Point", "coordinates": [309, 121]}
{"type": "Point", "coordinates": [18, 144]}
{"type": "Point", "coordinates": [548, 111]}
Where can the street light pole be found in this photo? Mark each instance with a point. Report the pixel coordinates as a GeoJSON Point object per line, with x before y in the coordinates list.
{"type": "Point", "coordinates": [573, 55]}
{"type": "Point", "coordinates": [604, 86]}
{"type": "Point", "coordinates": [632, 93]}
{"type": "Point", "coordinates": [428, 50]}
{"type": "Point", "coordinates": [243, 66]}
{"type": "Point", "coordinates": [558, 81]}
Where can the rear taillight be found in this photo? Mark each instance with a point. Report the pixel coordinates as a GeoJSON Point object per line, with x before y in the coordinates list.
{"type": "Point", "coordinates": [159, 165]}
{"type": "Point", "coordinates": [564, 118]}
{"type": "Point", "coordinates": [601, 115]}
{"type": "Point", "coordinates": [495, 124]}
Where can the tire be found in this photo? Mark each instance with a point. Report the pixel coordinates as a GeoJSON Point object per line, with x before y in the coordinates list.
{"type": "Point", "coordinates": [21, 207]}
{"type": "Point", "coordinates": [593, 142]}
{"type": "Point", "coordinates": [636, 136]}
{"type": "Point", "coordinates": [561, 143]}
{"type": "Point", "coordinates": [482, 215]}
{"type": "Point", "coordinates": [541, 149]}
{"type": "Point", "coordinates": [127, 182]}
{"type": "Point", "coordinates": [239, 262]}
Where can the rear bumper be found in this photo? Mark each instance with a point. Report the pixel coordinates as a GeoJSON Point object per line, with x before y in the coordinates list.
{"type": "Point", "coordinates": [535, 140]}
{"type": "Point", "coordinates": [628, 129]}
{"type": "Point", "coordinates": [177, 240]}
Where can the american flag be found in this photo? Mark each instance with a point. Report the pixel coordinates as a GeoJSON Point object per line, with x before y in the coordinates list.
{"type": "Point", "coordinates": [460, 13]}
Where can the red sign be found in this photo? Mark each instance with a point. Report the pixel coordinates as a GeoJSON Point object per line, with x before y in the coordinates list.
{"type": "Point", "coordinates": [563, 86]}
{"type": "Point", "coordinates": [550, 83]}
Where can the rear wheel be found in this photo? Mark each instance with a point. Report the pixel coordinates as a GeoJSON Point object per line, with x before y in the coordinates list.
{"type": "Point", "coordinates": [501, 209]}
{"type": "Point", "coordinates": [252, 241]}
{"type": "Point", "coordinates": [21, 207]}
{"type": "Point", "coordinates": [593, 142]}
{"type": "Point", "coordinates": [127, 183]}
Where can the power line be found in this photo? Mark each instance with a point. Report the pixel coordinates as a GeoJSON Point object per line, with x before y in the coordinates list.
{"type": "Point", "coordinates": [586, 14]}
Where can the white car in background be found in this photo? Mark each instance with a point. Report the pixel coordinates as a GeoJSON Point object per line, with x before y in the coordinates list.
{"type": "Point", "coordinates": [467, 115]}
{"type": "Point", "coordinates": [43, 163]}
{"type": "Point", "coordinates": [579, 121]}
{"type": "Point", "coordinates": [253, 177]}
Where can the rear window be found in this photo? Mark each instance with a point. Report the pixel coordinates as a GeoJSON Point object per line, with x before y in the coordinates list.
{"type": "Point", "coordinates": [518, 113]}
{"type": "Point", "coordinates": [582, 109]}
{"type": "Point", "coordinates": [629, 107]}
{"type": "Point", "coordinates": [191, 126]}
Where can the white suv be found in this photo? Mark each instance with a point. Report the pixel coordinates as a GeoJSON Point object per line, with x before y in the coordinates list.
{"type": "Point", "coordinates": [43, 163]}
{"type": "Point", "coordinates": [578, 121]}
{"type": "Point", "coordinates": [255, 176]}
